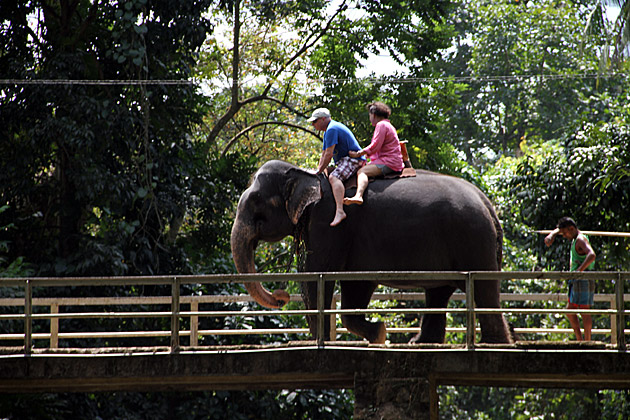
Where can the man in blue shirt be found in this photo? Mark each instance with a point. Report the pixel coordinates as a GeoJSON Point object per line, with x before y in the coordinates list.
{"type": "Point", "coordinates": [338, 141]}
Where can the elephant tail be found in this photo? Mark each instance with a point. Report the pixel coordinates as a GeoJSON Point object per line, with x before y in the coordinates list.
{"type": "Point", "coordinates": [499, 229]}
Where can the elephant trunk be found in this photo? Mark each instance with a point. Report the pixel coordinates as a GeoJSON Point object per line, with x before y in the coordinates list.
{"type": "Point", "coordinates": [243, 243]}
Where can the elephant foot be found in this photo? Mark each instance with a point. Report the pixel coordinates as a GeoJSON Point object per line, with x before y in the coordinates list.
{"type": "Point", "coordinates": [495, 330]}
{"type": "Point", "coordinates": [415, 339]}
{"type": "Point", "coordinates": [374, 332]}
{"type": "Point", "coordinates": [381, 336]}
{"type": "Point", "coordinates": [420, 338]}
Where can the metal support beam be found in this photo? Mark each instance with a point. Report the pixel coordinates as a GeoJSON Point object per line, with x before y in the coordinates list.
{"type": "Point", "coordinates": [470, 312]}
{"type": "Point", "coordinates": [621, 322]}
{"type": "Point", "coordinates": [175, 316]}
{"type": "Point", "coordinates": [194, 324]}
{"type": "Point", "coordinates": [28, 319]}
{"type": "Point", "coordinates": [321, 294]}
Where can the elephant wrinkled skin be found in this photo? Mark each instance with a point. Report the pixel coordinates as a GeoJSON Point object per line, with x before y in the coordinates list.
{"type": "Point", "coordinates": [430, 222]}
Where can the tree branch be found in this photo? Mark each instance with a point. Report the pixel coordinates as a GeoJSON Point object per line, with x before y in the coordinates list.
{"type": "Point", "coordinates": [260, 124]}
{"type": "Point", "coordinates": [308, 43]}
{"type": "Point", "coordinates": [272, 99]}
{"type": "Point", "coordinates": [236, 104]}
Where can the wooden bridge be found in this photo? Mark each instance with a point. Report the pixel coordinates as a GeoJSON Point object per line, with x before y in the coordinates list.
{"type": "Point", "coordinates": [390, 381]}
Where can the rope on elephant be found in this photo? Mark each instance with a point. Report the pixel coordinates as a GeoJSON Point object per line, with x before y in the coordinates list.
{"type": "Point", "coordinates": [298, 249]}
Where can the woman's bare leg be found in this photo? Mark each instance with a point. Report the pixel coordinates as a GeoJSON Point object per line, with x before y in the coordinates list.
{"type": "Point", "coordinates": [362, 183]}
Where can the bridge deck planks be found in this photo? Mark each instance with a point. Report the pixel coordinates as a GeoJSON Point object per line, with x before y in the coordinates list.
{"type": "Point", "coordinates": [295, 366]}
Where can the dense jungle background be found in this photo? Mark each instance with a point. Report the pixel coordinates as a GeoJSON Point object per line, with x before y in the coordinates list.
{"type": "Point", "coordinates": [526, 99]}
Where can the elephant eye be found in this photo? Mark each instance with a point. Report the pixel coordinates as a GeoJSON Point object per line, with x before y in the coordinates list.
{"type": "Point", "coordinates": [276, 201]}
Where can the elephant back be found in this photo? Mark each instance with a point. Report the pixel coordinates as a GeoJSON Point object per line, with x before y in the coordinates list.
{"type": "Point", "coordinates": [448, 222]}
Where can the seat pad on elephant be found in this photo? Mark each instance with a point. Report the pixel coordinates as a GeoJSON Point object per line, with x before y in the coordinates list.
{"type": "Point", "coordinates": [406, 173]}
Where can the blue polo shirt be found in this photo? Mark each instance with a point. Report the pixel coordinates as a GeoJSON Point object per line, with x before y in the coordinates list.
{"type": "Point", "coordinates": [343, 139]}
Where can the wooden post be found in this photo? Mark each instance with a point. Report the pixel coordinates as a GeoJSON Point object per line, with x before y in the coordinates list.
{"type": "Point", "coordinates": [621, 322]}
{"type": "Point", "coordinates": [320, 308]}
{"type": "Point", "coordinates": [434, 400]}
{"type": "Point", "coordinates": [613, 321]}
{"type": "Point", "coordinates": [175, 316]}
{"type": "Point", "coordinates": [194, 323]}
{"type": "Point", "coordinates": [54, 326]}
{"type": "Point", "coordinates": [28, 320]}
{"type": "Point", "coordinates": [470, 312]}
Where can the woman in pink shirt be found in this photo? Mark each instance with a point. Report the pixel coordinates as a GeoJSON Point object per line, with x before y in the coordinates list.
{"type": "Point", "coordinates": [384, 151]}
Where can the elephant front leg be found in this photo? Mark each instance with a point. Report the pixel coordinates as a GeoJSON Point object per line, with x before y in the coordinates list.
{"type": "Point", "coordinates": [433, 329]}
{"type": "Point", "coordinates": [309, 295]}
{"type": "Point", "coordinates": [357, 295]}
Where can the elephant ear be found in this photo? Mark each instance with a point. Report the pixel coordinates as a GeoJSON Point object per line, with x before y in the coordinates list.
{"type": "Point", "coordinates": [301, 189]}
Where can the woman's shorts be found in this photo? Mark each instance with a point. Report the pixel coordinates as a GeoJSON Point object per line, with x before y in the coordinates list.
{"type": "Point", "coordinates": [386, 170]}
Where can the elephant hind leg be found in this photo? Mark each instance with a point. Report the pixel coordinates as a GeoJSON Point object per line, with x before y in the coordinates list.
{"type": "Point", "coordinates": [434, 325]}
{"type": "Point", "coordinates": [357, 295]}
{"type": "Point", "coordinates": [494, 327]}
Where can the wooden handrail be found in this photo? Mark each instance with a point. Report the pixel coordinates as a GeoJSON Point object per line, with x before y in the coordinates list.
{"type": "Point", "coordinates": [617, 312]}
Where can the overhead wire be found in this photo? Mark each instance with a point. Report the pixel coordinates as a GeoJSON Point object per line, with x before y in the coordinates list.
{"type": "Point", "coordinates": [472, 79]}
{"type": "Point", "coordinates": [373, 80]}
{"type": "Point", "coordinates": [92, 82]}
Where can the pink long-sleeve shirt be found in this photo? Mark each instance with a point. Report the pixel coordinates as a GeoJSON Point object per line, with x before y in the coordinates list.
{"type": "Point", "coordinates": [385, 147]}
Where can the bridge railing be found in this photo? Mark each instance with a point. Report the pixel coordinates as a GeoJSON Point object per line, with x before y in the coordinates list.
{"type": "Point", "coordinates": [27, 316]}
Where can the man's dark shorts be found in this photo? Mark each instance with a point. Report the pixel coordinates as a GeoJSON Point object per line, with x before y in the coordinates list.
{"type": "Point", "coordinates": [581, 292]}
{"type": "Point", "coordinates": [346, 167]}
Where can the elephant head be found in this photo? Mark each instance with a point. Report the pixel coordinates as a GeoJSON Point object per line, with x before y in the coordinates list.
{"type": "Point", "coordinates": [268, 211]}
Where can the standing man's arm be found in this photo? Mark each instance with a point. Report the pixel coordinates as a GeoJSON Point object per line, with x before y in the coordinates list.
{"type": "Point", "coordinates": [549, 238]}
{"type": "Point", "coordinates": [325, 159]}
{"type": "Point", "coordinates": [584, 248]}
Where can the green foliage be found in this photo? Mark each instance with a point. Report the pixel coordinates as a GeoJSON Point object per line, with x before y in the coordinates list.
{"type": "Point", "coordinates": [520, 71]}
{"type": "Point", "coordinates": [218, 405]}
{"type": "Point", "coordinates": [583, 180]}
{"type": "Point", "coordinates": [522, 404]}
{"type": "Point", "coordinates": [412, 33]}
{"type": "Point", "coordinates": [17, 267]}
{"type": "Point", "coordinates": [93, 173]}
{"type": "Point", "coordinates": [205, 232]}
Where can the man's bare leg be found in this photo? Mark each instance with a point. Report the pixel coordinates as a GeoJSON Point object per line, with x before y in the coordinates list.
{"type": "Point", "coordinates": [575, 324]}
{"type": "Point", "coordinates": [338, 192]}
{"type": "Point", "coordinates": [588, 324]}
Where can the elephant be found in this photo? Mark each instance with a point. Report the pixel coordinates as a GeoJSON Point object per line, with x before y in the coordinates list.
{"type": "Point", "coordinates": [430, 222]}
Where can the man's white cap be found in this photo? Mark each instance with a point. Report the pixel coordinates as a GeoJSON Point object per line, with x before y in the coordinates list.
{"type": "Point", "coordinates": [319, 113]}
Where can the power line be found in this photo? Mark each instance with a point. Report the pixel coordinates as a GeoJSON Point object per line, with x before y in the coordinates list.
{"type": "Point", "coordinates": [92, 82]}
{"type": "Point", "coordinates": [473, 79]}
{"type": "Point", "coordinates": [374, 80]}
